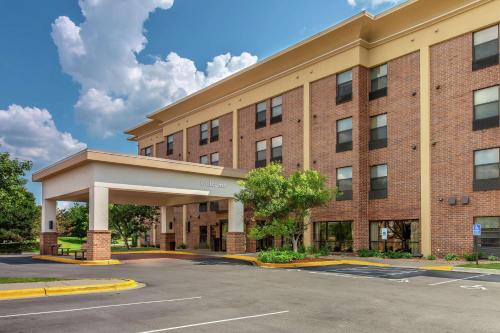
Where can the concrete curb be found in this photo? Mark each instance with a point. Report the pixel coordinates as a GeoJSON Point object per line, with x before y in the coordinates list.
{"type": "Point", "coordinates": [259, 263]}
{"type": "Point", "coordinates": [77, 262]}
{"type": "Point", "coordinates": [67, 290]}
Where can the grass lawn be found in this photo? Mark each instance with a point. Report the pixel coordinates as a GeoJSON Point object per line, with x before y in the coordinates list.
{"type": "Point", "coordinates": [488, 266]}
{"type": "Point", "coordinates": [26, 280]}
{"type": "Point", "coordinates": [74, 243]}
{"type": "Point", "coordinates": [132, 249]}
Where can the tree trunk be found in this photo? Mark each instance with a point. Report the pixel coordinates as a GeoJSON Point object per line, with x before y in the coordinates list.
{"type": "Point", "coordinates": [295, 244]}
{"type": "Point", "coordinates": [126, 243]}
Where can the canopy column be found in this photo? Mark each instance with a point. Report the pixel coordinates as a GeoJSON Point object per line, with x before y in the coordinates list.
{"type": "Point", "coordinates": [235, 238]}
{"type": "Point", "coordinates": [48, 235]}
{"type": "Point", "coordinates": [98, 235]}
{"type": "Point", "coordinates": [167, 235]}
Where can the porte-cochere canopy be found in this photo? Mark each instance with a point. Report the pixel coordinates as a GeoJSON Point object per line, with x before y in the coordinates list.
{"type": "Point", "coordinates": [100, 178]}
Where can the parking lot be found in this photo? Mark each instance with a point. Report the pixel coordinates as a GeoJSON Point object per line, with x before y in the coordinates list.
{"type": "Point", "coordinates": [216, 295]}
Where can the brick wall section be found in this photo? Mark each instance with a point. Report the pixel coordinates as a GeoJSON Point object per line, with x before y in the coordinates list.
{"type": "Point", "coordinates": [165, 240]}
{"type": "Point", "coordinates": [161, 148]}
{"type": "Point", "coordinates": [98, 245]}
{"type": "Point", "coordinates": [235, 242]}
{"type": "Point", "coordinates": [291, 128]}
{"type": "Point", "coordinates": [47, 239]}
{"type": "Point", "coordinates": [455, 142]}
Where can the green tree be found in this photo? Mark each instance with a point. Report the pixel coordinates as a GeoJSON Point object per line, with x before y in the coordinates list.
{"type": "Point", "coordinates": [74, 221]}
{"type": "Point", "coordinates": [18, 209]}
{"type": "Point", "coordinates": [129, 220]}
{"type": "Point", "coordinates": [283, 202]}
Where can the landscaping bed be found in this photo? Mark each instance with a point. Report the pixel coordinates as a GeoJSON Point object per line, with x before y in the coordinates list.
{"type": "Point", "coordinates": [5, 280]}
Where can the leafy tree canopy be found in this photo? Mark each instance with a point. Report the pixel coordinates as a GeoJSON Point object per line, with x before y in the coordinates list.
{"type": "Point", "coordinates": [283, 202]}
{"type": "Point", "coordinates": [129, 220]}
{"type": "Point", "coordinates": [18, 209]}
{"type": "Point", "coordinates": [74, 221]}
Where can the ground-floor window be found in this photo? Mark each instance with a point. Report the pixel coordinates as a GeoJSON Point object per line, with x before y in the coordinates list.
{"type": "Point", "coordinates": [337, 235]}
{"type": "Point", "coordinates": [402, 235]}
{"type": "Point", "coordinates": [490, 234]}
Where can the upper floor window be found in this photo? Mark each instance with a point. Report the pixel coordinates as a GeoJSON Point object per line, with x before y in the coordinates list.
{"type": "Point", "coordinates": [344, 183]}
{"type": "Point", "coordinates": [214, 159]}
{"type": "Point", "coordinates": [344, 87]}
{"type": "Point", "coordinates": [260, 153]}
{"type": "Point", "coordinates": [276, 109]}
{"type": "Point", "coordinates": [344, 134]}
{"type": "Point", "coordinates": [485, 46]}
{"type": "Point", "coordinates": [203, 133]}
{"type": "Point", "coordinates": [170, 144]}
{"type": "Point", "coordinates": [486, 108]}
{"type": "Point", "coordinates": [204, 159]}
{"type": "Point", "coordinates": [214, 130]}
{"type": "Point", "coordinates": [487, 169]}
{"type": "Point", "coordinates": [260, 114]}
{"type": "Point", "coordinates": [378, 86]}
{"type": "Point", "coordinates": [378, 131]}
{"type": "Point", "coordinates": [214, 206]}
{"type": "Point", "coordinates": [202, 207]}
{"type": "Point", "coordinates": [378, 181]}
{"type": "Point", "coordinates": [276, 149]}
{"type": "Point", "coordinates": [148, 151]}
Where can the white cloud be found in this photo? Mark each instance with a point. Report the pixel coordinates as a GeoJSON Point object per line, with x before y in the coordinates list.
{"type": "Point", "coordinates": [372, 3]}
{"type": "Point", "coordinates": [117, 90]}
{"type": "Point", "coordinates": [30, 133]}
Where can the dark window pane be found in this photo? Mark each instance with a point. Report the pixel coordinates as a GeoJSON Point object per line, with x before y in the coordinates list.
{"type": "Point", "coordinates": [488, 171]}
{"type": "Point", "coordinates": [486, 50]}
{"type": "Point", "coordinates": [379, 183]}
{"type": "Point", "coordinates": [345, 136]}
{"type": "Point", "coordinates": [378, 133]}
{"type": "Point", "coordinates": [487, 110]}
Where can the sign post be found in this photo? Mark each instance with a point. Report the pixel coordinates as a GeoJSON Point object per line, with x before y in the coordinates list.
{"type": "Point", "coordinates": [476, 232]}
{"type": "Point", "coordinates": [383, 234]}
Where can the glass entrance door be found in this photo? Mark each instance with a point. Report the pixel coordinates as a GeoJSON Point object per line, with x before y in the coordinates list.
{"type": "Point", "coordinates": [203, 237]}
{"type": "Point", "coordinates": [223, 225]}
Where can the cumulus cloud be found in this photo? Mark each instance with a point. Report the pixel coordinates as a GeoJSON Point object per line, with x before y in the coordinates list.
{"type": "Point", "coordinates": [117, 90]}
{"type": "Point", "coordinates": [30, 133]}
{"type": "Point", "coordinates": [372, 3]}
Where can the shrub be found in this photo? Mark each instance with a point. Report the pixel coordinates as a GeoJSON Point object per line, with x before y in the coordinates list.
{"type": "Point", "coordinates": [18, 247]}
{"type": "Point", "coordinates": [318, 252]}
{"type": "Point", "coordinates": [182, 246]}
{"type": "Point", "coordinates": [431, 257]}
{"type": "Point", "coordinates": [493, 258]}
{"type": "Point", "coordinates": [369, 253]}
{"type": "Point", "coordinates": [451, 257]}
{"type": "Point", "coordinates": [397, 255]}
{"type": "Point", "coordinates": [280, 256]}
{"type": "Point", "coordinates": [470, 256]}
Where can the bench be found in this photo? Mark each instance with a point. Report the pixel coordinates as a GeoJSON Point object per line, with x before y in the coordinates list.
{"type": "Point", "coordinates": [63, 251]}
{"type": "Point", "coordinates": [79, 254]}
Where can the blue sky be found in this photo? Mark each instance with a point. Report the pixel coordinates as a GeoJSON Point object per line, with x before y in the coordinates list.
{"type": "Point", "coordinates": [76, 74]}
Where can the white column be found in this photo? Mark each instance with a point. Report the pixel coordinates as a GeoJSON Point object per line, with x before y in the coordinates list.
{"type": "Point", "coordinates": [49, 211]}
{"type": "Point", "coordinates": [166, 217]}
{"type": "Point", "coordinates": [235, 216]}
{"type": "Point", "coordinates": [98, 208]}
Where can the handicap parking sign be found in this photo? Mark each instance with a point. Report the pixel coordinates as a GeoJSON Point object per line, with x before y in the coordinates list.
{"type": "Point", "coordinates": [476, 229]}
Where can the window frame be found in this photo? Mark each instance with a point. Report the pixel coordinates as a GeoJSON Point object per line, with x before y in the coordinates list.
{"type": "Point", "coordinates": [489, 234]}
{"type": "Point", "coordinates": [378, 143]}
{"type": "Point", "coordinates": [170, 150]}
{"type": "Point", "coordinates": [214, 138]}
{"type": "Point", "coordinates": [488, 61]}
{"type": "Point", "coordinates": [278, 159]}
{"type": "Point", "coordinates": [342, 146]}
{"type": "Point", "coordinates": [347, 194]}
{"type": "Point", "coordinates": [381, 92]}
{"type": "Point", "coordinates": [202, 207]}
{"type": "Point", "coordinates": [379, 193]}
{"type": "Point", "coordinates": [204, 156]}
{"type": "Point", "coordinates": [204, 140]}
{"type": "Point", "coordinates": [322, 235]}
{"type": "Point", "coordinates": [259, 163]}
{"type": "Point", "coordinates": [485, 123]}
{"type": "Point", "coordinates": [212, 158]}
{"type": "Point", "coordinates": [487, 183]}
{"type": "Point", "coordinates": [260, 123]}
{"type": "Point", "coordinates": [150, 149]}
{"type": "Point", "coordinates": [278, 118]}
{"type": "Point", "coordinates": [344, 98]}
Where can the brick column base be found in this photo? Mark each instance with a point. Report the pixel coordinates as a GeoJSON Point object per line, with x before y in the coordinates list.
{"type": "Point", "coordinates": [236, 242]}
{"type": "Point", "coordinates": [47, 239]}
{"type": "Point", "coordinates": [167, 241]}
{"type": "Point", "coordinates": [98, 245]}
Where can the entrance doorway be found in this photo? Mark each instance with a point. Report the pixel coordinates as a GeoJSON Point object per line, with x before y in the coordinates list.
{"type": "Point", "coordinates": [203, 237]}
{"type": "Point", "coordinates": [218, 236]}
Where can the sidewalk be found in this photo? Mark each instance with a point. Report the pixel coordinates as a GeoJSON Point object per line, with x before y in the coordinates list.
{"type": "Point", "coordinates": [65, 287]}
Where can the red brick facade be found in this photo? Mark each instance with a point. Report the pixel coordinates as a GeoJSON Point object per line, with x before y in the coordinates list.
{"type": "Point", "coordinates": [453, 144]}
{"type": "Point", "coordinates": [167, 241]}
{"type": "Point", "coordinates": [98, 245]}
{"type": "Point", "coordinates": [47, 240]}
{"type": "Point", "coordinates": [236, 242]}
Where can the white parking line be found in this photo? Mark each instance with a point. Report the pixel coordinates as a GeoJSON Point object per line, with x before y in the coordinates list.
{"type": "Point", "coordinates": [99, 307]}
{"type": "Point", "coordinates": [449, 281]}
{"type": "Point", "coordinates": [216, 322]}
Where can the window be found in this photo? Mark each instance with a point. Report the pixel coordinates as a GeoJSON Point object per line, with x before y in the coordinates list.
{"type": "Point", "coordinates": [204, 159]}
{"type": "Point", "coordinates": [170, 144]}
{"type": "Point", "coordinates": [337, 236]}
{"type": "Point", "coordinates": [378, 87]}
{"type": "Point", "coordinates": [188, 226]}
{"type": "Point", "coordinates": [203, 133]}
{"type": "Point", "coordinates": [487, 169]}
{"type": "Point", "coordinates": [344, 183]}
{"type": "Point", "coordinates": [214, 130]}
{"type": "Point", "coordinates": [344, 87]}
{"type": "Point", "coordinates": [202, 207]}
{"type": "Point", "coordinates": [378, 183]}
{"type": "Point", "coordinates": [490, 235]}
{"type": "Point", "coordinates": [378, 131]}
{"type": "Point", "coordinates": [260, 115]}
{"type": "Point", "coordinates": [277, 149]}
{"type": "Point", "coordinates": [485, 47]}
{"type": "Point", "coordinates": [402, 235]}
{"type": "Point", "coordinates": [276, 109]}
{"type": "Point", "coordinates": [260, 153]}
{"type": "Point", "coordinates": [214, 159]}
{"type": "Point", "coordinates": [344, 135]}
{"type": "Point", "coordinates": [148, 151]}
{"type": "Point", "coordinates": [485, 108]}
{"type": "Point", "coordinates": [214, 206]}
